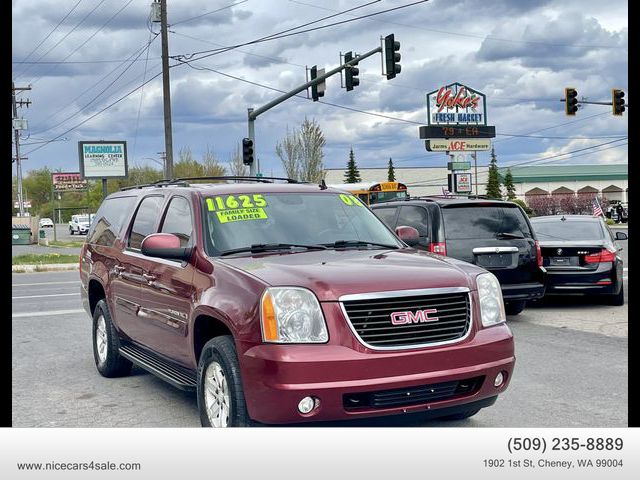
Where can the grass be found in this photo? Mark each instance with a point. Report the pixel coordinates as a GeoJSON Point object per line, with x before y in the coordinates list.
{"type": "Point", "coordinates": [43, 258]}
{"type": "Point", "coordinates": [60, 243]}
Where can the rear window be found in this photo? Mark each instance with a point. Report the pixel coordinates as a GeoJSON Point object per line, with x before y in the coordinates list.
{"type": "Point", "coordinates": [109, 219]}
{"type": "Point", "coordinates": [568, 230]}
{"type": "Point", "coordinates": [484, 222]}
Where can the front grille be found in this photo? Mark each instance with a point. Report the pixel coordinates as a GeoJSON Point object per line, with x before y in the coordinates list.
{"type": "Point", "coordinates": [412, 395]}
{"type": "Point", "coordinates": [371, 319]}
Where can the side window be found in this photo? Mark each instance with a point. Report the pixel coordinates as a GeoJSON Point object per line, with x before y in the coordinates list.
{"type": "Point", "coordinates": [416, 217]}
{"type": "Point", "coordinates": [387, 215]}
{"type": "Point", "coordinates": [178, 220]}
{"type": "Point", "coordinates": [144, 221]}
{"type": "Point", "coordinates": [109, 219]}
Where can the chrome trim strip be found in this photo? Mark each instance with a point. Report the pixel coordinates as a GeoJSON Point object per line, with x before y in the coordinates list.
{"type": "Point", "coordinates": [495, 250]}
{"type": "Point", "coordinates": [402, 293]}
{"type": "Point", "coordinates": [173, 263]}
{"type": "Point", "coordinates": [421, 345]}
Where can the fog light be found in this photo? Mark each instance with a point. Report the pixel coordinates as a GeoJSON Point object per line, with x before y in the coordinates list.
{"type": "Point", "coordinates": [306, 405]}
{"type": "Point", "coordinates": [499, 379]}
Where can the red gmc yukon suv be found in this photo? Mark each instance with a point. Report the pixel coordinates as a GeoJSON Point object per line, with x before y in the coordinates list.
{"type": "Point", "coordinates": [282, 302]}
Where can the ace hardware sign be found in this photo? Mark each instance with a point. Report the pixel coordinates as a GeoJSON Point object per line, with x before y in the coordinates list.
{"type": "Point", "coordinates": [456, 104]}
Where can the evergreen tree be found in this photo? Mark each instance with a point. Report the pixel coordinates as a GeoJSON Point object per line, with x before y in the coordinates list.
{"type": "Point", "coordinates": [352, 175]}
{"type": "Point", "coordinates": [391, 175]}
{"type": "Point", "coordinates": [509, 186]}
{"type": "Point", "coordinates": [493, 180]}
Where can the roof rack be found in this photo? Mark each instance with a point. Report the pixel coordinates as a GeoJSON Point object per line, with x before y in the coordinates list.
{"type": "Point", "coordinates": [185, 182]}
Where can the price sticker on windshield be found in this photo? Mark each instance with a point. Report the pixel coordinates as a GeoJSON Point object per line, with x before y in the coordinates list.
{"type": "Point", "coordinates": [350, 200]}
{"type": "Point", "coordinates": [235, 209]}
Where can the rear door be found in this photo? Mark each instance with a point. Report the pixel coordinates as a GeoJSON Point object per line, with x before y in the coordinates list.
{"type": "Point", "coordinates": [494, 236]}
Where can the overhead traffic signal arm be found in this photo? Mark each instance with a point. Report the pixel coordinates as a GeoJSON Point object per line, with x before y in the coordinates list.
{"type": "Point", "coordinates": [570, 101]}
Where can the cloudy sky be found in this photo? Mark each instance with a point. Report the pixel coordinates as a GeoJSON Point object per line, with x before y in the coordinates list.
{"type": "Point", "coordinates": [81, 56]}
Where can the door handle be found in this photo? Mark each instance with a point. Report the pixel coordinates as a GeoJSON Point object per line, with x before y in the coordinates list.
{"type": "Point", "coordinates": [149, 278]}
{"type": "Point", "coordinates": [118, 269]}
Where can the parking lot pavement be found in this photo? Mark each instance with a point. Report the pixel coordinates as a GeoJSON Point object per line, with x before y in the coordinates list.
{"type": "Point", "coordinates": [557, 371]}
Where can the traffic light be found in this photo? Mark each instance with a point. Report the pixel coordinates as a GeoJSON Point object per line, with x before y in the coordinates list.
{"type": "Point", "coordinates": [570, 101]}
{"type": "Point", "coordinates": [392, 56]}
{"type": "Point", "coordinates": [617, 101]}
{"type": "Point", "coordinates": [317, 90]}
{"type": "Point", "coordinates": [247, 151]}
{"type": "Point", "coordinates": [351, 79]}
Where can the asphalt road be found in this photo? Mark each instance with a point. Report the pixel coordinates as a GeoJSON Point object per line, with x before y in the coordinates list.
{"type": "Point", "coordinates": [571, 369]}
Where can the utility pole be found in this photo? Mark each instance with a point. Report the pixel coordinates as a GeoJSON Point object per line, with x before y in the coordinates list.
{"type": "Point", "coordinates": [16, 132]}
{"type": "Point", "coordinates": [166, 91]}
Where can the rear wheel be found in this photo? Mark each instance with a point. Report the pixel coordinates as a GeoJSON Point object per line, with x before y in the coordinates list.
{"type": "Point", "coordinates": [616, 299]}
{"type": "Point", "coordinates": [514, 308]}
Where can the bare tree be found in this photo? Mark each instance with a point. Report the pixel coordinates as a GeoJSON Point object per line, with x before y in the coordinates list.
{"type": "Point", "coordinates": [236, 167]}
{"type": "Point", "coordinates": [312, 141]}
{"type": "Point", "coordinates": [210, 163]}
{"type": "Point", "coordinates": [289, 150]}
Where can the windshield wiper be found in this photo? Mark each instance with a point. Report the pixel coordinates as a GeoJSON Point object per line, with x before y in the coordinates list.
{"type": "Point", "coordinates": [267, 247]}
{"type": "Point", "coordinates": [508, 235]}
{"type": "Point", "coordinates": [358, 243]}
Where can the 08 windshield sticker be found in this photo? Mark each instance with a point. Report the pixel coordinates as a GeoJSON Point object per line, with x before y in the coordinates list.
{"type": "Point", "coordinates": [231, 208]}
{"type": "Point", "coordinates": [350, 200]}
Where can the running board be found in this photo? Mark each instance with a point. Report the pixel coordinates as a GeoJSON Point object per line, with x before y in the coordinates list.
{"type": "Point", "coordinates": [178, 376]}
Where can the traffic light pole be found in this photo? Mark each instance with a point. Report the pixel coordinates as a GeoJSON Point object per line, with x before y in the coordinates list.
{"type": "Point", "coordinates": [254, 113]}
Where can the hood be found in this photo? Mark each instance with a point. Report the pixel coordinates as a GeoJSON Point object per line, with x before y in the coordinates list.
{"type": "Point", "coordinates": [333, 273]}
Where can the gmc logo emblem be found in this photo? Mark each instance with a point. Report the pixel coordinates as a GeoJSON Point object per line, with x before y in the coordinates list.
{"type": "Point", "coordinates": [420, 316]}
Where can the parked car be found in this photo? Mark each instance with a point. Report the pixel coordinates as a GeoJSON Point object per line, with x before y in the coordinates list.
{"type": "Point", "coordinates": [46, 223]}
{"type": "Point", "coordinates": [230, 290]}
{"type": "Point", "coordinates": [79, 224]}
{"type": "Point", "coordinates": [492, 234]}
{"type": "Point", "coordinates": [581, 255]}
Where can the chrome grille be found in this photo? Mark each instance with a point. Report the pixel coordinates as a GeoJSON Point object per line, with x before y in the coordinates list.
{"type": "Point", "coordinates": [371, 318]}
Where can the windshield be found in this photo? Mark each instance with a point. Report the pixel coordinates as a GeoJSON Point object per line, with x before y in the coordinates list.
{"type": "Point", "coordinates": [568, 230]}
{"type": "Point", "coordinates": [484, 222]}
{"type": "Point", "coordinates": [239, 221]}
{"type": "Point", "coordinates": [82, 219]}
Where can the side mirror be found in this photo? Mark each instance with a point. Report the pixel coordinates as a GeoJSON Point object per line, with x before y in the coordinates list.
{"type": "Point", "coordinates": [408, 235]}
{"type": "Point", "coordinates": [621, 236]}
{"type": "Point", "coordinates": [164, 245]}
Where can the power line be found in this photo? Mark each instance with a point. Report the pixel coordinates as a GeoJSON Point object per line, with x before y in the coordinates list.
{"type": "Point", "coordinates": [206, 13]}
{"type": "Point", "coordinates": [89, 38]}
{"type": "Point", "coordinates": [65, 36]}
{"type": "Point", "coordinates": [50, 33]}
{"type": "Point", "coordinates": [471, 35]}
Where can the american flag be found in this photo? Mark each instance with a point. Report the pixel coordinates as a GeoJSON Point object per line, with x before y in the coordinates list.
{"type": "Point", "coordinates": [597, 211]}
{"type": "Point", "coordinates": [445, 192]}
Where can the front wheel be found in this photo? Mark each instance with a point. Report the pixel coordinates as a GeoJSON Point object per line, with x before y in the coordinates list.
{"type": "Point", "coordinates": [220, 394]}
{"type": "Point", "coordinates": [108, 360]}
{"type": "Point", "coordinates": [71, 231]}
{"type": "Point", "coordinates": [514, 308]}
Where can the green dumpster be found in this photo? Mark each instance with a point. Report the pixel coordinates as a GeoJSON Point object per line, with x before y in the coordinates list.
{"type": "Point", "coordinates": [20, 235]}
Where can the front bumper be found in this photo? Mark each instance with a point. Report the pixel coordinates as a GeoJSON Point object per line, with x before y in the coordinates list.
{"type": "Point", "coordinates": [277, 377]}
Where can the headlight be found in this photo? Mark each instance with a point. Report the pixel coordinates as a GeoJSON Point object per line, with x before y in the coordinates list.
{"type": "Point", "coordinates": [491, 303]}
{"type": "Point", "coordinates": [292, 315]}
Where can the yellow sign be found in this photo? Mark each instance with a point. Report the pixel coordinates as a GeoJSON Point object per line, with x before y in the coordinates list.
{"type": "Point", "coordinates": [236, 209]}
{"type": "Point", "coordinates": [350, 200]}
{"type": "Point", "coordinates": [241, 214]}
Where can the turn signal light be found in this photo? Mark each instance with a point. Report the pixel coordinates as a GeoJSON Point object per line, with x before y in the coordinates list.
{"type": "Point", "coordinates": [538, 253]}
{"type": "Point", "coordinates": [440, 248]}
{"type": "Point", "coordinates": [269, 323]}
{"type": "Point", "coordinates": [602, 256]}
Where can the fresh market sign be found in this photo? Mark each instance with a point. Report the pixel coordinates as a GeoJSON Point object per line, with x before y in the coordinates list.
{"type": "Point", "coordinates": [458, 145]}
{"type": "Point", "coordinates": [456, 104]}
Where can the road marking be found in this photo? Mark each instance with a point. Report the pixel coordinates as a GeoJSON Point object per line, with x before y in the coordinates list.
{"type": "Point", "coordinates": [53, 295]}
{"type": "Point", "coordinates": [44, 283]}
{"type": "Point", "coordinates": [45, 314]}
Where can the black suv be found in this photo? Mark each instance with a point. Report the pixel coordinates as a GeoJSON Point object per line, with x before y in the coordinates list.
{"type": "Point", "coordinates": [493, 234]}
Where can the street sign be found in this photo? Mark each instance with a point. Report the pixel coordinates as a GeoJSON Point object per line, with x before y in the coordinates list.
{"type": "Point", "coordinates": [20, 124]}
{"type": "Point", "coordinates": [458, 165]}
{"type": "Point", "coordinates": [462, 131]}
{"type": "Point", "coordinates": [103, 159]}
{"type": "Point", "coordinates": [68, 182]}
{"type": "Point", "coordinates": [457, 145]}
{"type": "Point", "coordinates": [25, 204]}
{"type": "Point", "coordinates": [456, 104]}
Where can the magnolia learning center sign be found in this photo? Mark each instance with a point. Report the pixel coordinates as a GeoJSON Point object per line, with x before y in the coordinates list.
{"type": "Point", "coordinates": [103, 159]}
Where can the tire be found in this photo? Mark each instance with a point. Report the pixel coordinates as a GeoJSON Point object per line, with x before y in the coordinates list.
{"type": "Point", "coordinates": [461, 415]}
{"type": "Point", "coordinates": [514, 308]}
{"type": "Point", "coordinates": [71, 231]}
{"type": "Point", "coordinates": [617, 299]}
{"type": "Point", "coordinates": [108, 360]}
{"type": "Point", "coordinates": [219, 355]}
